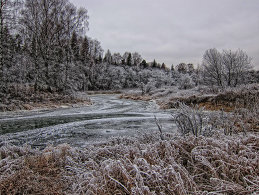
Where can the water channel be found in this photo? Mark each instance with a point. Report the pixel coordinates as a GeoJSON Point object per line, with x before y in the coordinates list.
{"type": "Point", "coordinates": [108, 116]}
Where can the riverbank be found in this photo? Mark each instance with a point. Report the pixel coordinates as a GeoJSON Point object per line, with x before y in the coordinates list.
{"type": "Point", "coordinates": [143, 165]}
{"type": "Point", "coordinates": [240, 105]}
{"type": "Point", "coordinates": [27, 99]}
{"type": "Point", "coordinates": [211, 99]}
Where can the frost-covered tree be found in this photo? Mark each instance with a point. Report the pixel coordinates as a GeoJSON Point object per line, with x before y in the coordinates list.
{"type": "Point", "coordinates": [74, 46]}
{"type": "Point", "coordinates": [182, 68]}
{"type": "Point", "coordinates": [154, 64]}
{"type": "Point", "coordinates": [163, 66]}
{"type": "Point", "coordinates": [236, 64]}
{"type": "Point", "coordinates": [143, 64]}
{"type": "Point", "coordinates": [172, 68]}
{"type": "Point", "coordinates": [51, 23]}
{"type": "Point", "coordinates": [95, 49]}
{"type": "Point", "coordinates": [6, 54]}
{"type": "Point", "coordinates": [197, 75]}
{"type": "Point", "coordinates": [213, 67]}
{"type": "Point", "coordinates": [8, 20]}
{"type": "Point", "coordinates": [100, 59]}
{"type": "Point", "coordinates": [185, 82]}
{"type": "Point", "coordinates": [84, 50]}
{"type": "Point", "coordinates": [108, 57]}
{"type": "Point", "coordinates": [34, 58]}
{"type": "Point", "coordinates": [129, 60]}
{"type": "Point", "coordinates": [190, 68]}
{"type": "Point", "coordinates": [125, 56]}
{"type": "Point", "coordinates": [117, 58]}
{"type": "Point", "coordinates": [136, 58]}
{"type": "Point", "coordinates": [225, 69]}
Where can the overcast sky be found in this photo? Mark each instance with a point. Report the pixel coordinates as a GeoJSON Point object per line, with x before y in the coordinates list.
{"type": "Point", "coordinates": [174, 31]}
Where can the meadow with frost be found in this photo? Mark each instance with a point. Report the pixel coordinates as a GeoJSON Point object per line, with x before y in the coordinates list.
{"type": "Point", "coordinates": [48, 61]}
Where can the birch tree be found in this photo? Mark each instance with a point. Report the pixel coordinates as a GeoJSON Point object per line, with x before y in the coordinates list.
{"type": "Point", "coordinates": [51, 24]}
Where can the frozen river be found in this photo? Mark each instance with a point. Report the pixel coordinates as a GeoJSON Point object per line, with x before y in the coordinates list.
{"type": "Point", "coordinates": [108, 116]}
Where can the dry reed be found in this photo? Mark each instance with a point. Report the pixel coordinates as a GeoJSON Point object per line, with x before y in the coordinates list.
{"type": "Point", "coordinates": [145, 165]}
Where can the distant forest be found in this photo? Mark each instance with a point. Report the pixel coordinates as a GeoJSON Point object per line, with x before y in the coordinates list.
{"type": "Point", "coordinates": [44, 48]}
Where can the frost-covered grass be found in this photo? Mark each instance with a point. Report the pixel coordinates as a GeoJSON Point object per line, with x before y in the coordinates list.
{"type": "Point", "coordinates": [143, 165]}
{"type": "Point", "coordinates": [212, 99]}
{"type": "Point", "coordinates": [25, 98]}
{"type": "Point", "coordinates": [240, 105]}
{"type": "Point", "coordinates": [164, 93]}
{"type": "Point", "coordinates": [231, 97]}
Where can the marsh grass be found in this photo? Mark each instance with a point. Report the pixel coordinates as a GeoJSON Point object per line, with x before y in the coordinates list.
{"type": "Point", "coordinates": [144, 165]}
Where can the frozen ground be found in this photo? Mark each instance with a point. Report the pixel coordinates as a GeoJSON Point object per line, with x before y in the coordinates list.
{"type": "Point", "coordinates": [108, 116]}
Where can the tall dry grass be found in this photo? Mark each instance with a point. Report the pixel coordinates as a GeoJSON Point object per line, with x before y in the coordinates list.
{"type": "Point", "coordinates": [144, 165]}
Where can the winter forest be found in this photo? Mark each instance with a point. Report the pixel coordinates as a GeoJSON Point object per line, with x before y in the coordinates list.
{"type": "Point", "coordinates": [75, 119]}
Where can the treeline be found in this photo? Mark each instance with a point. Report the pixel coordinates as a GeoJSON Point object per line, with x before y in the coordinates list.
{"type": "Point", "coordinates": [44, 43]}
{"type": "Point", "coordinates": [44, 47]}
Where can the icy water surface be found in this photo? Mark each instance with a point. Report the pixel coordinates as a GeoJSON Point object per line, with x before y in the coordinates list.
{"type": "Point", "coordinates": [108, 116]}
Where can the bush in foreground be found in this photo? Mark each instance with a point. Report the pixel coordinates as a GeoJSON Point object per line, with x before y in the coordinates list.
{"type": "Point", "coordinates": [145, 165]}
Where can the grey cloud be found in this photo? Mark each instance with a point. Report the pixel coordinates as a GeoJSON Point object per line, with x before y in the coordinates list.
{"type": "Point", "coordinates": [174, 31]}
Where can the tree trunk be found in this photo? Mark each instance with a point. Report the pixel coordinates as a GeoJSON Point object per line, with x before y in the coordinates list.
{"type": "Point", "coordinates": [1, 37]}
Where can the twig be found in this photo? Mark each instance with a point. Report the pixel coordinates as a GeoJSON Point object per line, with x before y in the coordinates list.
{"type": "Point", "coordinates": [127, 191]}
{"type": "Point", "coordinates": [159, 128]}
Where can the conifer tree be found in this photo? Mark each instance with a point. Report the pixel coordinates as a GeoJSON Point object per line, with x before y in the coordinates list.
{"type": "Point", "coordinates": [74, 46]}
{"type": "Point", "coordinates": [154, 64]}
{"type": "Point", "coordinates": [108, 57]}
{"type": "Point", "coordinates": [84, 51]}
{"type": "Point", "coordinates": [172, 68]}
{"type": "Point", "coordinates": [163, 66]}
{"type": "Point", "coordinates": [100, 59]}
{"type": "Point", "coordinates": [144, 64]}
{"type": "Point", "coordinates": [129, 60]}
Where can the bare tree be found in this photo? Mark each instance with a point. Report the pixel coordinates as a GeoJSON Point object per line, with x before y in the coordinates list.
{"type": "Point", "coordinates": [213, 67]}
{"type": "Point", "coordinates": [8, 20]}
{"type": "Point", "coordinates": [136, 58]}
{"type": "Point", "coordinates": [51, 23]}
{"type": "Point", "coordinates": [235, 63]}
{"type": "Point", "coordinates": [108, 57]}
{"type": "Point", "coordinates": [227, 68]}
{"type": "Point", "coordinates": [182, 68]}
{"type": "Point", "coordinates": [117, 58]}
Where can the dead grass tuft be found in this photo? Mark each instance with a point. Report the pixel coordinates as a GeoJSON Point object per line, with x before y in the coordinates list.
{"type": "Point", "coordinates": [190, 165]}
{"type": "Point", "coordinates": [136, 97]}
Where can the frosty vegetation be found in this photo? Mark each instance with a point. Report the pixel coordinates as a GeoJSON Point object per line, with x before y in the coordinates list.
{"type": "Point", "coordinates": [143, 165]}
{"type": "Point", "coordinates": [44, 51]}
